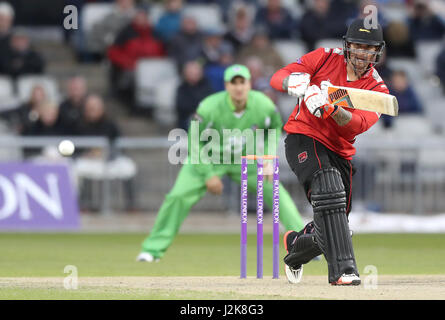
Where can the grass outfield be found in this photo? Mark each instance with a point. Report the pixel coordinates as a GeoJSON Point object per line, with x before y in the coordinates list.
{"type": "Point", "coordinates": [193, 255]}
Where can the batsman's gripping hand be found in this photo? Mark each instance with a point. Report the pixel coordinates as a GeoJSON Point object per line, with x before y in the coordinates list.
{"type": "Point", "coordinates": [317, 103]}
{"type": "Point", "coordinates": [297, 84]}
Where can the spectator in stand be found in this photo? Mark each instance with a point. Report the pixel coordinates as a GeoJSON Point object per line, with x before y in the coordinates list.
{"type": "Point", "coordinates": [71, 107]}
{"type": "Point", "coordinates": [90, 164]}
{"type": "Point", "coordinates": [27, 113]}
{"type": "Point", "coordinates": [21, 58]}
{"type": "Point", "coordinates": [191, 91]}
{"type": "Point", "coordinates": [277, 20]}
{"type": "Point", "coordinates": [104, 32]}
{"type": "Point", "coordinates": [241, 27]}
{"type": "Point", "coordinates": [259, 80]}
{"type": "Point", "coordinates": [134, 42]}
{"type": "Point", "coordinates": [261, 47]}
{"type": "Point", "coordinates": [408, 101]}
{"type": "Point", "coordinates": [6, 21]}
{"type": "Point", "coordinates": [322, 21]}
{"type": "Point", "coordinates": [257, 76]}
{"type": "Point", "coordinates": [95, 122]}
{"type": "Point", "coordinates": [424, 24]}
{"type": "Point", "coordinates": [169, 23]}
{"type": "Point", "coordinates": [186, 45]}
{"type": "Point", "coordinates": [48, 123]}
{"type": "Point", "coordinates": [399, 42]}
{"type": "Point", "coordinates": [214, 71]}
{"type": "Point", "coordinates": [214, 45]}
{"type": "Point", "coordinates": [440, 68]}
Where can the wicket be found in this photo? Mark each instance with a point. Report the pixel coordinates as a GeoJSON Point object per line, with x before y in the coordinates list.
{"type": "Point", "coordinates": [259, 212]}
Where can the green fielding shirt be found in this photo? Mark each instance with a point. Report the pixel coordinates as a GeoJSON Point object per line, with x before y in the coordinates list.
{"type": "Point", "coordinates": [222, 146]}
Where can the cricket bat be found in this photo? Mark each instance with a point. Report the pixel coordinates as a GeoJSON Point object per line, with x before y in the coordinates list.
{"type": "Point", "coordinates": [363, 99]}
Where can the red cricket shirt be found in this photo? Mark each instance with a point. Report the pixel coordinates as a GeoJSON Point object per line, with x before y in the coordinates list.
{"type": "Point", "coordinates": [329, 64]}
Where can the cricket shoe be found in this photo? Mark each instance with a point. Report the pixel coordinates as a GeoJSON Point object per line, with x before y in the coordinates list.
{"type": "Point", "coordinates": [146, 257]}
{"type": "Point", "coordinates": [289, 239]}
{"type": "Point", "coordinates": [293, 275]}
{"type": "Point", "coordinates": [347, 280]}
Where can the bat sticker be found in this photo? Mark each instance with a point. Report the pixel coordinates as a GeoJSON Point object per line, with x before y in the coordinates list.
{"type": "Point", "coordinates": [339, 97]}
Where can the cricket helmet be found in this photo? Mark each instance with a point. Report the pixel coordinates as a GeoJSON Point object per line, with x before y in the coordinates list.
{"type": "Point", "coordinates": [359, 33]}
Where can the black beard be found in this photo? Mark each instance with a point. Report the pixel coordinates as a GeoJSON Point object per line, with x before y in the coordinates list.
{"type": "Point", "coordinates": [359, 71]}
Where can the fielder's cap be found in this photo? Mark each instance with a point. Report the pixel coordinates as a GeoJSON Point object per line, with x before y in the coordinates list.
{"type": "Point", "coordinates": [359, 33]}
{"type": "Point", "coordinates": [236, 70]}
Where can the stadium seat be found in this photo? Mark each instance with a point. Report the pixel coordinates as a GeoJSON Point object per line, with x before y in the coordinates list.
{"type": "Point", "coordinates": [93, 13]}
{"type": "Point", "coordinates": [150, 75]}
{"type": "Point", "coordinates": [290, 50]}
{"type": "Point", "coordinates": [427, 91]}
{"type": "Point", "coordinates": [207, 16]}
{"type": "Point", "coordinates": [165, 112]}
{"type": "Point", "coordinates": [155, 13]}
{"type": "Point", "coordinates": [427, 52]}
{"type": "Point", "coordinates": [8, 100]}
{"type": "Point", "coordinates": [374, 136]}
{"type": "Point", "coordinates": [395, 12]}
{"type": "Point", "coordinates": [433, 109]}
{"type": "Point", "coordinates": [431, 158]}
{"type": "Point", "coordinates": [438, 7]}
{"type": "Point", "coordinates": [415, 126]}
{"type": "Point", "coordinates": [412, 68]}
{"type": "Point", "coordinates": [286, 105]}
{"type": "Point", "coordinates": [329, 43]}
{"type": "Point", "coordinates": [6, 87]}
{"type": "Point", "coordinates": [294, 7]}
{"type": "Point", "coordinates": [376, 131]}
{"type": "Point", "coordinates": [26, 83]}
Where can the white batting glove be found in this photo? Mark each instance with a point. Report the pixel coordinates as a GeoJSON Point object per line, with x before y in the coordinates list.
{"type": "Point", "coordinates": [317, 103]}
{"type": "Point", "coordinates": [324, 85]}
{"type": "Point", "coordinates": [298, 83]}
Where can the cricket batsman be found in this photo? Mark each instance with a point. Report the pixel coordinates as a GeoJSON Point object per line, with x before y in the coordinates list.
{"type": "Point", "coordinates": [238, 107]}
{"type": "Point", "coordinates": [319, 146]}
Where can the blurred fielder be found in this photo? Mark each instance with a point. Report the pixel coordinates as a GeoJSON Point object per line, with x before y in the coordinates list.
{"type": "Point", "coordinates": [319, 146]}
{"type": "Point", "coordinates": [238, 107]}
